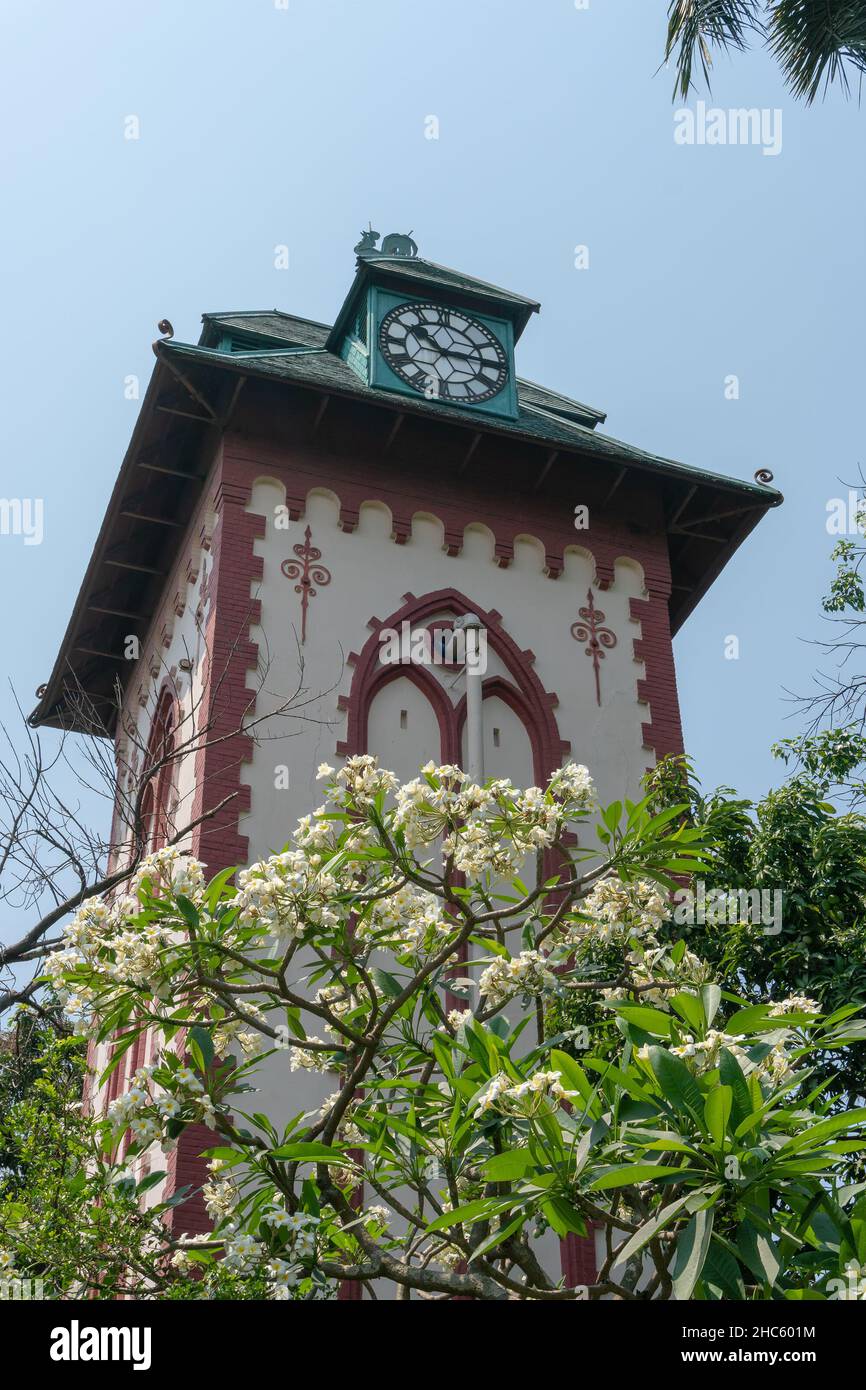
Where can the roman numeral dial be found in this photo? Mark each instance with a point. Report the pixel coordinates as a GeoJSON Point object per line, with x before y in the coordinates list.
{"type": "Point", "coordinates": [443, 353]}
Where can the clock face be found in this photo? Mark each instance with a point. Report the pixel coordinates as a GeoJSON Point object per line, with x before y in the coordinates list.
{"type": "Point", "coordinates": [444, 353]}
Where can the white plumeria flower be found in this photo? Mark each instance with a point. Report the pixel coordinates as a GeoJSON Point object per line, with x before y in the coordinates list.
{"type": "Point", "coordinates": [187, 1078]}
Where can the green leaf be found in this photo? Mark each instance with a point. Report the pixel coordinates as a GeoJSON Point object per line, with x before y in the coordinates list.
{"type": "Point", "coordinates": [563, 1217]}
{"type": "Point", "coordinates": [757, 1251]}
{"type": "Point", "coordinates": [316, 1153]}
{"type": "Point", "coordinates": [690, 1008]}
{"type": "Point", "coordinates": [624, 1080]}
{"type": "Point", "coordinates": [189, 910]}
{"type": "Point", "coordinates": [825, 1129]}
{"type": "Point", "coordinates": [226, 1155]}
{"type": "Point", "coordinates": [494, 948]}
{"type": "Point", "coordinates": [473, 1211]}
{"type": "Point", "coordinates": [150, 1181]}
{"type": "Point", "coordinates": [731, 1073]}
{"type": "Point", "coordinates": [215, 888]}
{"type": "Point", "coordinates": [630, 1173]}
{"type": "Point", "coordinates": [642, 1016]}
{"type": "Point", "coordinates": [497, 1237]}
{"type": "Point", "coordinates": [202, 1038]}
{"type": "Point", "coordinates": [712, 998]}
{"type": "Point", "coordinates": [649, 1229]}
{"type": "Point", "coordinates": [755, 1019]}
{"type": "Point", "coordinates": [386, 984]}
{"type": "Point", "coordinates": [573, 1075]}
{"type": "Point", "coordinates": [717, 1112]}
{"type": "Point", "coordinates": [120, 1048]}
{"type": "Point", "coordinates": [677, 1084]}
{"type": "Point", "coordinates": [506, 1167]}
{"type": "Point", "coordinates": [722, 1271]}
{"type": "Point", "coordinates": [691, 1252]}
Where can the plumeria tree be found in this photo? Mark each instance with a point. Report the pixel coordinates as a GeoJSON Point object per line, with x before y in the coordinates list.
{"type": "Point", "coordinates": [401, 947]}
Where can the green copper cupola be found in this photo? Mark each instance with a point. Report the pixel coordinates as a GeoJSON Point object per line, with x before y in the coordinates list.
{"type": "Point", "coordinates": [419, 329]}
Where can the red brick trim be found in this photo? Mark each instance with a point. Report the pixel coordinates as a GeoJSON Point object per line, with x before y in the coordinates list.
{"type": "Point", "coordinates": [579, 1264]}
{"type": "Point", "coordinates": [186, 1168]}
{"type": "Point", "coordinates": [508, 515]}
{"type": "Point", "coordinates": [226, 702]}
{"type": "Point", "coordinates": [663, 732]}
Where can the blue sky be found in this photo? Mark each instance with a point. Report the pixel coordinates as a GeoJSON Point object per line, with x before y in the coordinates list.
{"type": "Point", "coordinates": [261, 126]}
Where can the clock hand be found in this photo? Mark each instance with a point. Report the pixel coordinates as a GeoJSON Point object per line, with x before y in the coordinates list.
{"type": "Point", "coordinates": [452, 352]}
{"type": "Point", "coordinates": [443, 352]}
{"type": "Point", "coordinates": [421, 335]}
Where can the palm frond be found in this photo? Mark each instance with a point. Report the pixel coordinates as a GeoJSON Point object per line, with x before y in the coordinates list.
{"type": "Point", "coordinates": [696, 27]}
{"type": "Point", "coordinates": [816, 41]}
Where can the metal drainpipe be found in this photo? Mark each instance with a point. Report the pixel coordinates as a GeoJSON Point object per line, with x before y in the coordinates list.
{"type": "Point", "coordinates": [471, 624]}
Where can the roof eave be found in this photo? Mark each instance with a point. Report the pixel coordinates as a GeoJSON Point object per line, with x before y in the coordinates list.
{"type": "Point", "coordinates": [45, 712]}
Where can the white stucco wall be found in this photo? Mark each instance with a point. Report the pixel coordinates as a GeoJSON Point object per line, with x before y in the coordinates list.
{"type": "Point", "coordinates": [369, 577]}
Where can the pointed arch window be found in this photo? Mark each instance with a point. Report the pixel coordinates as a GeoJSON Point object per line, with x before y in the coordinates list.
{"type": "Point", "coordinates": [156, 805]}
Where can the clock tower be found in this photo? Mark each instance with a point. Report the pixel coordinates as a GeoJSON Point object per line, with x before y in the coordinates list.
{"type": "Point", "coordinates": [302, 500]}
{"type": "Point", "coordinates": [416, 328]}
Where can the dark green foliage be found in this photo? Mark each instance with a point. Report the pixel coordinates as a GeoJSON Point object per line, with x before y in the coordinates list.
{"type": "Point", "coordinates": [816, 42]}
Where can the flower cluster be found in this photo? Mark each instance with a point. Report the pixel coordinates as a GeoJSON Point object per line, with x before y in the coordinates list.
{"type": "Point", "coordinates": [363, 780]}
{"type": "Point", "coordinates": [490, 829]}
{"type": "Point", "coordinates": [219, 1193]}
{"type": "Point", "coordinates": [795, 1004]}
{"type": "Point", "coordinates": [511, 1097]}
{"type": "Point", "coordinates": [775, 1067]}
{"type": "Point", "coordinates": [287, 895]}
{"type": "Point", "coordinates": [526, 974]}
{"type": "Point", "coordinates": [309, 1058]}
{"type": "Point", "coordinates": [170, 870]}
{"type": "Point", "coordinates": [622, 912]}
{"type": "Point", "coordinates": [110, 940]}
{"type": "Point", "coordinates": [410, 921]}
{"type": "Point", "coordinates": [237, 1030]}
{"type": "Point", "coordinates": [458, 1018]}
{"type": "Point", "coordinates": [657, 972]}
{"type": "Point", "coordinates": [157, 1094]}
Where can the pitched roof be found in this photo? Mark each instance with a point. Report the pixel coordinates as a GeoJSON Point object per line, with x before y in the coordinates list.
{"type": "Point", "coordinates": [541, 415]}
{"type": "Point", "coordinates": [265, 323]}
{"type": "Point", "coordinates": [417, 268]}
{"type": "Point", "coordinates": [414, 274]}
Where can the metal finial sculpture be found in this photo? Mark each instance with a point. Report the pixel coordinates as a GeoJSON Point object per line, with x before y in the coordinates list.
{"type": "Point", "coordinates": [367, 245]}
{"type": "Point", "coordinates": [394, 244]}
